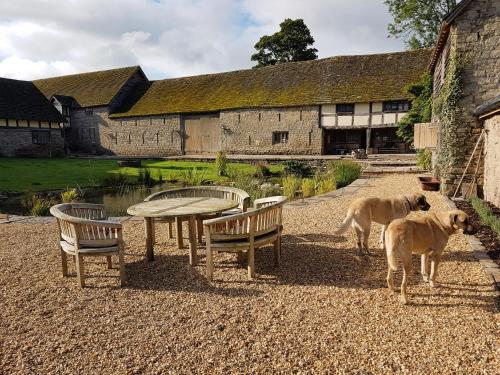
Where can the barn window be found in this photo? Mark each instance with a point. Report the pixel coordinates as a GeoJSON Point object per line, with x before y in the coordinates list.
{"type": "Point", "coordinates": [89, 111]}
{"type": "Point", "coordinates": [396, 106]}
{"type": "Point", "coordinates": [40, 137]}
{"type": "Point", "coordinates": [279, 116]}
{"type": "Point", "coordinates": [345, 109]}
{"type": "Point", "coordinates": [259, 116]}
{"type": "Point", "coordinates": [129, 138]}
{"type": "Point", "coordinates": [280, 138]}
{"type": "Point", "coordinates": [143, 137]}
{"type": "Point", "coordinates": [239, 117]}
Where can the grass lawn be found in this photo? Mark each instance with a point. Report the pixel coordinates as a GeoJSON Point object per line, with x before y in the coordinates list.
{"type": "Point", "coordinates": [23, 174]}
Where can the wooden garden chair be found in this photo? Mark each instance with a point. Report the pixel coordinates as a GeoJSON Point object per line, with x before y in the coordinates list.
{"type": "Point", "coordinates": [246, 231]}
{"type": "Point", "coordinates": [85, 231]}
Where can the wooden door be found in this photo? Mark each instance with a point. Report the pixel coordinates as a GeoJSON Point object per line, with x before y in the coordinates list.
{"type": "Point", "coordinates": [202, 134]}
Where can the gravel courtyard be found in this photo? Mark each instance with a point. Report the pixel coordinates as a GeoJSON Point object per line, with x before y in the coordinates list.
{"type": "Point", "coordinates": [323, 310]}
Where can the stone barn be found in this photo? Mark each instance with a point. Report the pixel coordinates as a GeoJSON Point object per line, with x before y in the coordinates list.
{"type": "Point", "coordinates": [465, 66]}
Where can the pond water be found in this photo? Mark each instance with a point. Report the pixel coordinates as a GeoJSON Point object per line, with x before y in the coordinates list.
{"type": "Point", "coordinates": [116, 200]}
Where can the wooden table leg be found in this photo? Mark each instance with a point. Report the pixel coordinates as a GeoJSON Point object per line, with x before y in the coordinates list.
{"type": "Point", "coordinates": [193, 259]}
{"type": "Point", "coordinates": [149, 231]}
{"type": "Point", "coordinates": [178, 226]}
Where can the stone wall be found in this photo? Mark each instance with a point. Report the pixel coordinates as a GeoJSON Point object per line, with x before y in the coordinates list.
{"type": "Point", "coordinates": [474, 40]}
{"type": "Point", "coordinates": [492, 160]}
{"type": "Point", "coordinates": [250, 131]}
{"type": "Point", "coordinates": [92, 131]}
{"type": "Point", "coordinates": [19, 142]}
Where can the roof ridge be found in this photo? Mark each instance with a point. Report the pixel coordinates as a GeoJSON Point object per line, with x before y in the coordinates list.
{"type": "Point", "coordinates": [85, 73]}
{"type": "Point", "coordinates": [288, 64]}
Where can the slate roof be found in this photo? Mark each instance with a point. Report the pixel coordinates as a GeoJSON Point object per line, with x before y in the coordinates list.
{"type": "Point", "coordinates": [488, 108]}
{"type": "Point", "coordinates": [342, 79]}
{"type": "Point", "coordinates": [88, 89]}
{"type": "Point", "coordinates": [21, 100]}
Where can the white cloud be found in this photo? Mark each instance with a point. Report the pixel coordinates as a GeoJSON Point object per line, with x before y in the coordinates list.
{"type": "Point", "coordinates": [173, 37]}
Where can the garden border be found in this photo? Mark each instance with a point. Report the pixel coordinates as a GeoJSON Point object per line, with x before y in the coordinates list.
{"type": "Point", "coordinates": [489, 266]}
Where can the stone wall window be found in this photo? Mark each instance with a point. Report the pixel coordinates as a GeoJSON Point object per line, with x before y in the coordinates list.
{"type": "Point", "coordinates": [345, 109]}
{"type": "Point", "coordinates": [40, 137]}
{"type": "Point", "coordinates": [280, 138]}
{"type": "Point", "coordinates": [396, 106]}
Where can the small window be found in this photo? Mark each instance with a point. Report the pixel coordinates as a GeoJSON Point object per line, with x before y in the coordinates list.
{"type": "Point", "coordinates": [280, 138]}
{"type": "Point", "coordinates": [345, 109]}
{"type": "Point", "coordinates": [89, 111]}
{"type": "Point", "coordinates": [40, 137]}
{"type": "Point", "coordinates": [396, 106]}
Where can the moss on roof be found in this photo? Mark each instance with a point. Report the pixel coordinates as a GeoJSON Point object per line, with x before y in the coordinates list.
{"type": "Point", "coordinates": [332, 80]}
{"type": "Point", "coordinates": [21, 100]}
{"type": "Point", "coordinates": [88, 89]}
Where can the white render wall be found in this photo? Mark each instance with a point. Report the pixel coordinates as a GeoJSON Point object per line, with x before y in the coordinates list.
{"type": "Point", "coordinates": [361, 118]}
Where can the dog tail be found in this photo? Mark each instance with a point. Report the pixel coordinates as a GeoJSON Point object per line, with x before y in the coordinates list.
{"type": "Point", "coordinates": [391, 256]}
{"type": "Point", "coordinates": [346, 223]}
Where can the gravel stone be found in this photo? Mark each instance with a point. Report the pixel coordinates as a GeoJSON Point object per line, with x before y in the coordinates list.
{"type": "Point", "coordinates": [325, 310]}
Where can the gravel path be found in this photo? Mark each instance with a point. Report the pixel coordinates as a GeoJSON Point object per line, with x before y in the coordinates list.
{"type": "Point", "coordinates": [323, 309]}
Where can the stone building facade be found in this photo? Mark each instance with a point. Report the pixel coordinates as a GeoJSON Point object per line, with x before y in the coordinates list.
{"type": "Point", "coordinates": [294, 130]}
{"type": "Point", "coordinates": [95, 133]}
{"type": "Point", "coordinates": [469, 41]}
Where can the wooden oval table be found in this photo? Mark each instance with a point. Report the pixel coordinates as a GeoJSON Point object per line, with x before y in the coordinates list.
{"type": "Point", "coordinates": [180, 208]}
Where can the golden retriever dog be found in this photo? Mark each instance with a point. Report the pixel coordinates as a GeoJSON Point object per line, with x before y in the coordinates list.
{"type": "Point", "coordinates": [363, 211]}
{"type": "Point", "coordinates": [427, 236]}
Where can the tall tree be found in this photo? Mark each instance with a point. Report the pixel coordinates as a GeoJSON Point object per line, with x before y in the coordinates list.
{"type": "Point", "coordinates": [418, 21]}
{"type": "Point", "coordinates": [291, 43]}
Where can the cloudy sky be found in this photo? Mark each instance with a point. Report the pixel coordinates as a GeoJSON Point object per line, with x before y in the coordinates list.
{"type": "Point", "coordinates": [172, 38]}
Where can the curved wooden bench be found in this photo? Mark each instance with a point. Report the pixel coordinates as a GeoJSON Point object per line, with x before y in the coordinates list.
{"type": "Point", "coordinates": [85, 231]}
{"type": "Point", "coordinates": [223, 192]}
{"type": "Point", "coordinates": [246, 231]}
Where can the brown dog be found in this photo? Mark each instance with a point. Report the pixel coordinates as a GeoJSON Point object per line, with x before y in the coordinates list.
{"type": "Point", "coordinates": [427, 236]}
{"type": "Point", "coordinates": [363, 211]}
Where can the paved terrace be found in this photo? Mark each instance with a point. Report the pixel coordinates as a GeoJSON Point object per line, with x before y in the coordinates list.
{"type": "Point", "coordinates": [324, 309]}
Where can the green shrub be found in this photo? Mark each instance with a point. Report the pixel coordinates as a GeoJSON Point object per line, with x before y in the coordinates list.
{"type": "Point", "coordinates": [37, 205]}
{"type": "Point", "coordinates": [290, 186]}
{"type": "Point", "coordinates": [262, 170]}
{"type": "Point", "coordinates": [486, 214]}
{"type": "Point", "coordinates": [296, 168]}
{"type": "Point", "coordinates": [115, 179]}
{"type": "Point", "coordinates": [221, 163]}
{"type": "Point", "coordinates": [70, 195]}
{"type": "Point", "coordinates": [326, 185]}
{"type": "Point", "coordinates": [344, 172]}
{"type": "Point", "coordinates": [191, 177]}
{"type": "Point", "coordinates": [424, 159]}
{"type": "Point", "coordinates": [308, 186]}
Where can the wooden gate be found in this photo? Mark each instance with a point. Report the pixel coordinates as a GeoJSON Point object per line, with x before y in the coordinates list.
{"type": "Point", "coordinates": [202, 134]}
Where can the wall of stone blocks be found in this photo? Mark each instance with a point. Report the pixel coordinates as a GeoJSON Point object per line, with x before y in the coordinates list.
{"type": "Point", "coordinates": [19, 142]}
{"type": "Point", "coordinates": [154, 136]}
{"type": "Point", "coordinates": [492, 160]}
{"type": "Point", "coordinates": [250, 131]}
{"type": "Point", "coordinates": [475, 38]}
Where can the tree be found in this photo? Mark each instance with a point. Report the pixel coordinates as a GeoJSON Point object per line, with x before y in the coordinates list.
{"type": "Point", "coordinates": [420, 109]}
{"type": "Point", "coordinates": [291, 43]}
{"type": "Point", "coordinates": [418, 21]}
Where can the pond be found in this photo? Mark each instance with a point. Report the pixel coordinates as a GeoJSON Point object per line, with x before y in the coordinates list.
{"type": "Point", "coordinates": [116, 200]}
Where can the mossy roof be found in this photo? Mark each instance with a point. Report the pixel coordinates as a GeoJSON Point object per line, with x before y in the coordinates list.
{"type": "Point", "coordinates": [88, 89]}
{"type": "Point", "coordinates": [21, 100]}
{"type": "Point", "coordinates": [342, 79]}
